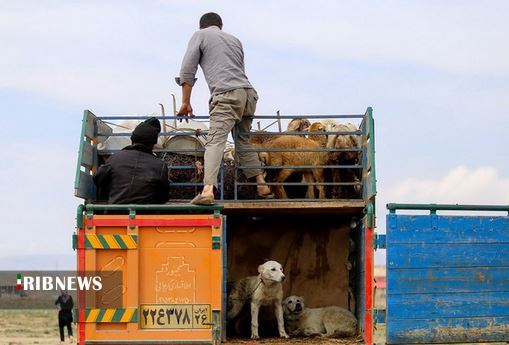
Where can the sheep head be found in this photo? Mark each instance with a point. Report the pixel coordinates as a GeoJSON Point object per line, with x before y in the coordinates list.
{"type": "Point", "coordinates": [298, 124]}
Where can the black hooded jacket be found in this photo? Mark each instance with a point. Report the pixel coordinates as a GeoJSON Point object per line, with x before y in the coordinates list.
{"type": "Point", "coordinates": [133, 176]}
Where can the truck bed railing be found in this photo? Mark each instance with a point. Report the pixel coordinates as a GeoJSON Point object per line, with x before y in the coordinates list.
{"type": "Point", "coordinates": [232, 185]}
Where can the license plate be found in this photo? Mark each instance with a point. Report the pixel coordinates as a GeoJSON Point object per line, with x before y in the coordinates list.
{"type": "Point", "coordinates": [175, 316]}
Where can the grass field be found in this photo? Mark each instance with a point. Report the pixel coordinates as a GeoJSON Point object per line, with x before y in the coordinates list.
{"type": "Point", "coordinates": [20, 327]}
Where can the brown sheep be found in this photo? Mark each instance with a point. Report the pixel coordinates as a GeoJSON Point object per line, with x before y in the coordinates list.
{"type": "Point", "coordinates": [296, 125]}
{"type": "Point", "coordinates": [347, 141]}
{"type": "Point", "coordinates": [298, 158]}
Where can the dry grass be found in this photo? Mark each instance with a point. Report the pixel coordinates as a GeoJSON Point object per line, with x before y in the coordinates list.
{"type": "Point", "coordinates": [27, 327]}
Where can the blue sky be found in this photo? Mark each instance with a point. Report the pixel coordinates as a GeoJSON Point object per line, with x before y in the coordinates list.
{"type": "Point", "coordinates": [436, 73]}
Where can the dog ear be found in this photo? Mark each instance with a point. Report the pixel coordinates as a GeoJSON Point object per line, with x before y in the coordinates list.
{"type": "Point", "coordinates": [302, 298]}
{"type": "Point", "coordinates": [260, 269]}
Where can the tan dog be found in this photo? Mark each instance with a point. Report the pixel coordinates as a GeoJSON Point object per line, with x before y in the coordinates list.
{"type": "Point", "coordinates": [327, 321]}
{"type": "Point", "coordinates": [264, 289]}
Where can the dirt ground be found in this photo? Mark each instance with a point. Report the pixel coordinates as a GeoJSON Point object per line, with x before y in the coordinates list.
{"type": "Point", "coordinates": [30, 327]}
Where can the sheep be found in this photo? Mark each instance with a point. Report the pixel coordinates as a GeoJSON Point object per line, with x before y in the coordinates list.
{"type": "Point", "coordinates": [347, 141]}
{"type": "Point", "coordinates": [298, 158]}
{"type": "Point", "coordinates": [297, 124]}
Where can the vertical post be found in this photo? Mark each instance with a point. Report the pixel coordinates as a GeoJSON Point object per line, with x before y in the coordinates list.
{"type": "Point", "coordinates": [163, 113]}
{"type": "Point", "coordinates": [369, 279]}
{"type": "Point", "coordinates": [81, 273]}
{"type": "Point", "coordinates": [235, 164]}
{"type": "Point", "coordinates": [371, 152]}
{"type": "Point", "coordinates": [222, 179]}
{"type": "Point", "coordinates": [174, 99]}
{"type": "Point", "coordinates": [224, 249]}
{"type": "Point", "coordinates": [278, 121]}
{"type": "Point", "coordinates": [364, 147]}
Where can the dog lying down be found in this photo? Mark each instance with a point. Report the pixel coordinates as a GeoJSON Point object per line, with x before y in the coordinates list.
{"type": "Point", "coordinates": [264, 289]}
{"type": "Point", "coordinates": [329, 321]}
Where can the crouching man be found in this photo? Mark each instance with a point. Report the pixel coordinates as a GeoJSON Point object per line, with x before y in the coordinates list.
{"type": "Point", "coordinates": [135, 175]}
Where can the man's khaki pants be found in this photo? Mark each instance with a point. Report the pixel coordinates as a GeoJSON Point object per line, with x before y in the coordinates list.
{"type": "Point", "coordinates": [230, 111]}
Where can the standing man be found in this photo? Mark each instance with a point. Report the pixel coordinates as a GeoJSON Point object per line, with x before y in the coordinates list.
{"type": "Point", "coordinates": [232, 103]}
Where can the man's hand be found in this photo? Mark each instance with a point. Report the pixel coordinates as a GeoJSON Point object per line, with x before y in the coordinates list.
{"type": "Point", "coordinates": [185, 110]}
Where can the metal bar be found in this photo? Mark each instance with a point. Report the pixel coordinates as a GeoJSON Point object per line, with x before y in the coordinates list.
{"type": "Point", "coordinates": [371, 149]}
{"type": "Point", "coordinates": [301, 183]}
{"type": "Point", "coordinates": [221, 180]}
{"type": "Point", "coordinates": [235, 135]}
{"type": "Point", "coordinates": [447, 207]}
{"type": "Point", "coordinates": [162, 134]}
{"type": "Point", "coordinates": [155, 151]}
{"type": "Point", "coordinates": [300, 150]}
{"type": "Point", "coordinates": [182, 167]}
{"type": "Point", "coordinates": [201, 117]}
{"type": "Point", "coordinates": [368, 283]}
{"type": "Point", "coordinates": [302, 133]}
{"type": "Point", "coordinates": [175, 134]}
{"type": "Point", "coordinates": [153, 222]}
{"type": "Point", "coordinates": [144, 117]}
{"type": "Point", "coordinates": [136, 207]}
{"type": "Point", "coordinates": [332, 201]}
{"type": "Point", "coordinates": [303, 167]}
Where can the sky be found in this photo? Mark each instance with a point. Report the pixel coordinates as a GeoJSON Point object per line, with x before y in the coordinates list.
{"type": "Point", "coordinates": [435, 72]}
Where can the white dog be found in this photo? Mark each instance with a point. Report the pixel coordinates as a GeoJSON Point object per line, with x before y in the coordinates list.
{"type": "Point", "coordinates": [327, 321]}
{"type": "Point", "coordinates": [264, 289]}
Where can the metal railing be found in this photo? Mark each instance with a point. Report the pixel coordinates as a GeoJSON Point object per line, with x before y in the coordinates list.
{"type": "Point", "coordinates": [232, 185]}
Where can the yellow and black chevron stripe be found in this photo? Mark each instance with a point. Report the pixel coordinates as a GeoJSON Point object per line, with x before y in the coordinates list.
{"type": "Point", "coordinates": [111, 241]}
{"type": "Point", "coordinates": [122, 315]}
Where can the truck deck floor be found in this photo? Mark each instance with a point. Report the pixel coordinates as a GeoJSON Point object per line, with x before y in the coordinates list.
{"type": "Point", "coordinates": [337, 206]}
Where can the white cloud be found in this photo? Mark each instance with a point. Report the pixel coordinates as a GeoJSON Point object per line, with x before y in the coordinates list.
{"type": "Point", "coordinates": [462, 185]}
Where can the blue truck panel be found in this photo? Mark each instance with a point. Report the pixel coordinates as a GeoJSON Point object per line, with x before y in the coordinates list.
{"type": "Point", "coordinates": [447, 279]}
{"type": "Point", "coordinates": [442, 330]}
{"type": "Point", "coordinates": [448, 255]}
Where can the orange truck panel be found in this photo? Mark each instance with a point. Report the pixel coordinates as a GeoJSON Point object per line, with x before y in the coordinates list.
{"type": "Point", "coordinates": [171, 278]}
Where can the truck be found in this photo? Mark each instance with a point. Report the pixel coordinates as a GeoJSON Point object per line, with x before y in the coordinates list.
{"type": "Point", "coordinates": [447, 276]}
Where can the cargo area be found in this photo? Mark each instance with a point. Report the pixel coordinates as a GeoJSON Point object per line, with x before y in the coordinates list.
{"type": "Point", "coordinates": [318, 253]}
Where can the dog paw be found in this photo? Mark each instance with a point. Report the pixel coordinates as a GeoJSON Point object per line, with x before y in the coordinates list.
{"type": "Point", "coordinates": [284, 335]}
{"type": "Point", "coordinates": [255, 336]}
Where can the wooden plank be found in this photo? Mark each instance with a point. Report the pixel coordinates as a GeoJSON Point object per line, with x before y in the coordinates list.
{"type": "Point", "coordinates": [86, 187]}
{"type": "Point", "coordinates": [447, 255]}
{"type": "Point", "coordinates": [447, 229]}
{"type": "Point", "coordinates": [88, 157]}
{"type": "Point", "coordinates": [429, 331]}
{"type": "Point", "coordinates": [448, 280]}
{"type": "Point", "coordinates": [336, 207]}
{"type": "Point", "coordinates": [434, 306]}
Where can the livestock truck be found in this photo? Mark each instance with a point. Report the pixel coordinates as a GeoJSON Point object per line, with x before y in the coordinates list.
{"type": "Point", "coordinates": [447, 275]}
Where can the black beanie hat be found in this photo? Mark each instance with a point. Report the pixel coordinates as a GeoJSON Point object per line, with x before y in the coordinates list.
{"type": "Point", "coordinates": [154, 123]}
{"type": "Point", "coordinates": [147, 132]}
